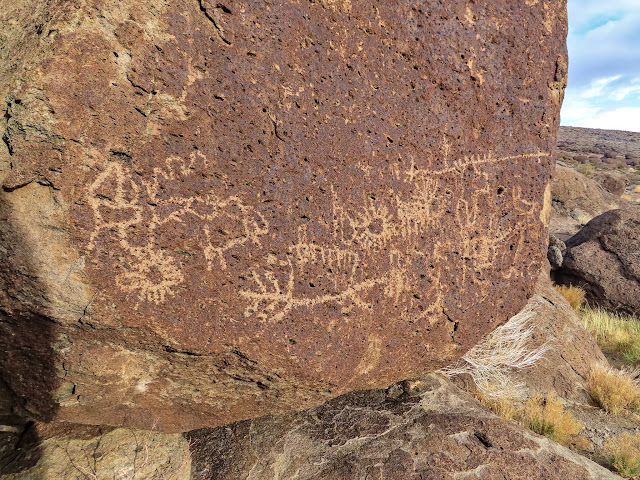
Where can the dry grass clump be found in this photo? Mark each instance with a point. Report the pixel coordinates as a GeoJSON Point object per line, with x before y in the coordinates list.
{"type": "Point", "coordinates": [546, 416]}
{"type": "Point", "coordinates": [636, 189]}
{"type": "Point", "coordinates": [619, 334]}
{"type": "Point", "coordinates": [573, 295]}
{"type": "Point", "coordinates": [543, 415]}
{"type": "Point", "coordinates": [503, 407]}
{"type": "Point", "coordinates": [623, 453]}
{"type": "Point", "coordinates": [586, 169]}
{"type": "Point", "coordinates": [492, 362]}
{"type": "Point", "coordinates": [627, 197]}
{"type": "Point", "coordinates": [614, 390]}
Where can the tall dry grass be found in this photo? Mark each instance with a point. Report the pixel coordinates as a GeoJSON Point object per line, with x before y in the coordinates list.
{"type": "Point", "coordinates": [623, 454]}
{"type": "Point", "coordinates": [573, 295]}
{"type": "Point", "coordinates": [546, 416]}
{"type": "Point", "coordinates": [614, 390]}
{"type": "Point", "coordinates": [492, 362]}
{"type": "Point", "coordinates": [618, 334]}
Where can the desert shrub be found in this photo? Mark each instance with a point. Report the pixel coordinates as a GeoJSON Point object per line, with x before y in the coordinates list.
{"type": "Point", "coordinates": [614, 390]}
{"type": "Point", "coordinates": [618, 334]}
{"type": "Point", "coordinates": [573, 295]}
{"type": "Point", "coordinates": [491, 362]}
{"type": "Point", "coordinates": [623, 454]}
{"type": "Point", "coordinates": [503, 407]}
{"type": "Point", "coordinates": [542, 415]}
{"type": "Point", "coordinates": [546, 416]}
{"type": "Point", "coordinates": [586, 169]}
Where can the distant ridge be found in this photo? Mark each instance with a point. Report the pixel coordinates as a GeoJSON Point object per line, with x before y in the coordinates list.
{"type": "Point", "coordinates": [596, 141]}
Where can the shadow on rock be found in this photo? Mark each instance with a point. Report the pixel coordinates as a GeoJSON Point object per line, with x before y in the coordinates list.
{"type": "Point", "coordinates": [28, 379]}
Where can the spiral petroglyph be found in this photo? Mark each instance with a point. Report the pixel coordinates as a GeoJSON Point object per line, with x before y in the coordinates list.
{"type": "Point", "coordinates": [133, 209]}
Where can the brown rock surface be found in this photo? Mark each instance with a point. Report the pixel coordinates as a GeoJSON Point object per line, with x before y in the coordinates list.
{"type": "Point", "coordinates": [359, 432]}
{"type": "Point", "coordinates": [421, 430]}
{"type": "Point", "coordinates": [576, 199]}
{"type": "Point", "coordinates": [603, 259]}
{"type": "Point", "coordinates": [214, 211]}
{"type": "Point", "coordinates": [572, 350]}
{"type": "Point", "coordinates": [614, 182]}
{"type": "Point", "coordinates": [77, 452]}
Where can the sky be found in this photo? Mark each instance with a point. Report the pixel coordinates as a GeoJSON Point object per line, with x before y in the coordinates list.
{"type": "Point", "coordinates": [604, 65]}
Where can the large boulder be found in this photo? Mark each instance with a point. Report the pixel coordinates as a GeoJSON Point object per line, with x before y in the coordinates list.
{"type": "Point", "coordinates": [576, 199]}
{"type": "Point", "coordinates": [358, 432]}
{"type": "Point", "coordinates": [603, 259]}
{"type": "Point", "coordinates": [572, 351]}
{"type": "Point", "coordinates": [414, 430]}
{"type": "Point", "coordinates": [612, 181]}
{"type": "Point", "coordinates": [79, 452]}
{"type": "Point", "coordinates": [427, 429]}
{"type": "Point", "coordinates": [213, 211]}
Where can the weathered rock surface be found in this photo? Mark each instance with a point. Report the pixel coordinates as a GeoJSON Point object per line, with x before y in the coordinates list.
{"type": "Point", "coordinates": [555, 252]}
{"type": "Point", "coordinates": [426, 430]}
{"type": "Point", "coordinates": [576, 199]}
{"type": "Point", "coordinates": [572, 351]}
{"type": "Point", "coordinates": [411, 429]}
{"type": "Point", "coordinates": [603, 259]}
{"type": "Point", "coordinates": [614, 182]}
{"type": "Point", "coordinates": [73, 452]}
{"type": "Point", "coordinates": [215, 211]}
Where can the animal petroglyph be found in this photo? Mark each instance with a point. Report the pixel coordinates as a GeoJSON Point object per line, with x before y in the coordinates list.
{"type": "Point", "coordinates": [366, 235]}
{"type": "Point", "coordinates": [134, 209]}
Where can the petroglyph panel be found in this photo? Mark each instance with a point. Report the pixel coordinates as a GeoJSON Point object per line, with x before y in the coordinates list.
{"type": "Point", "coordinates": [273, 203]}
{"type": "Point", "coordinates": [390, 254]}
{"type": "Point", "coordinates": [133, 211]}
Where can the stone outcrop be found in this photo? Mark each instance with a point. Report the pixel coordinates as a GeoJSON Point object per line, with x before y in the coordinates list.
{"type": "Point", "coordinates": [213, 211]}
{"type": "Point", "coordinates": [572, 350]}
{"type": "Point", "coordinates": [425, 429]}
{"type": "Point", "coordinates": [555, 252]}
{"type": "Point", "coordinates": [79, 452]}
{"type": "Point", "coordinates": [422, 427]}
{"type": "Point", "coordinates": [603, 259]}
{"type": "Point", "coordinates": [614, 182]}
{"type": "Point", "coordinates": [576, 199]}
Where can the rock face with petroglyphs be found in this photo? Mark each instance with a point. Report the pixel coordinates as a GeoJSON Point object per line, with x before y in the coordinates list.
{"type": "Point", "coordinates": [213, 211]}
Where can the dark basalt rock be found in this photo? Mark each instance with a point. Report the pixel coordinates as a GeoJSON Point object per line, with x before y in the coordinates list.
{"type": "Point", "coordinates": [214, 211]}
{"type": "Point", "coordinates": [603, 259]}
{"type": "Point", "coordinates": [430, 430]}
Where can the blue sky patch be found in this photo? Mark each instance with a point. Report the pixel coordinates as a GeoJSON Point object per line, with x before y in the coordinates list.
{"type": "Point", "coordinates": [604, 65]}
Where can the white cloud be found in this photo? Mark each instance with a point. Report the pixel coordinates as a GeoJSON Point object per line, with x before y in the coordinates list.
{"type": "Point", "coordinates": [596, 87]}
{"type": "Point", "coordinates": [583, 13]}
{"type": "Point", "coordinates": [627, 119]}
{"type": "Point", "coordinates": [604, 65]}
{"type": "Point", "coordinates": [621, 93]}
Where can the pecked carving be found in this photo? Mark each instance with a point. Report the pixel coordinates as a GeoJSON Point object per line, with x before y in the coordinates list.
{"type": "Point", "coordinates": [266, 206]}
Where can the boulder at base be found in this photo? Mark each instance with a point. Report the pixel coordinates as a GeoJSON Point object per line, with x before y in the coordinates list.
{"type": "Point", "coordinates": [614, 182]}
{"type": "Point", "coordinates": [603, 259]}
{"type": "Point", "coordinates": [213, 211]}
{"type": "Point", "coordinates": [426, 429]}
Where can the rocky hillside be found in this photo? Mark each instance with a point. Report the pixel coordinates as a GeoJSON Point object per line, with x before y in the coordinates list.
{"type": "Point", "coordinates": [591, 142]}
